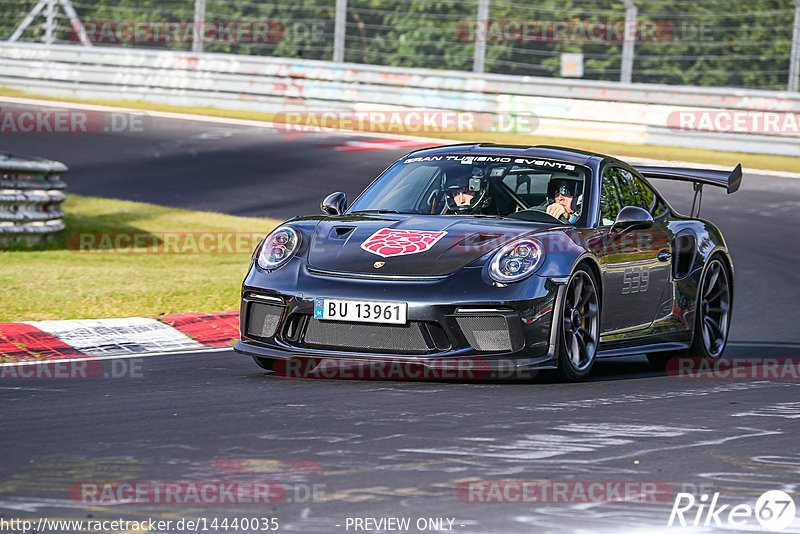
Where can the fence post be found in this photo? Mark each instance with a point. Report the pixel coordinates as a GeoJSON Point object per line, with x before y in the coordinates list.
{"type": "Point", "coordinates": [199, 21]}
{"type": "Point", "coordinates": [339, 29]}
{"type": "Point", "coordinates": [628, 42]}
{"type": "Point", "coordinates": [75, 22]}
{"type": "Point", "coordinates": [50, 22]}
{"type": "Point", "coordinates": [794, 60]}
{"type": "Point", "coordinates": [479, 60]}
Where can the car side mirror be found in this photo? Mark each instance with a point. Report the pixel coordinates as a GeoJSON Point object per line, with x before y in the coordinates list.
{"type": "Point", "coordinates": [631, 217]}
{"type": "Point", "coordinates": [334, 204]}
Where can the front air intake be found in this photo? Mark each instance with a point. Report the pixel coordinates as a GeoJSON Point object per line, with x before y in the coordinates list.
{"type": "Point", "coordinates": [262, 319]}
{"type": "Point", "coordinates": [486, 333]}
{"type": "Point", "coordinates": [366, 337]}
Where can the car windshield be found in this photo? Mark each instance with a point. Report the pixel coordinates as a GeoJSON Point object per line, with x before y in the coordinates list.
{"type": "Point", "coordinates": [491, 186]}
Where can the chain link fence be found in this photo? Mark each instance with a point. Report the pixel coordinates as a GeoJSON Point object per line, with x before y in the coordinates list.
{"type": "Point", "coordinates": [707, 43]}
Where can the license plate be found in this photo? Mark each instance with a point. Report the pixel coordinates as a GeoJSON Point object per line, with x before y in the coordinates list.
{"type": "Point", "coordinates": [364, 311]}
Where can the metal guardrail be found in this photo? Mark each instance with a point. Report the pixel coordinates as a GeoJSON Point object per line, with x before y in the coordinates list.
{"type": "Point", "coordinates": [31, 193]}
{"type": "Point", "coordinates": [502, 36]}
{"type": "Point", "coordinates": [629, 113]}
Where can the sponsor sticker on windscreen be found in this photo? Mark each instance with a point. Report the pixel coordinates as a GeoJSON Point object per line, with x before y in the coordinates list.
{"type": "Point", "coordinates": [364, 311]}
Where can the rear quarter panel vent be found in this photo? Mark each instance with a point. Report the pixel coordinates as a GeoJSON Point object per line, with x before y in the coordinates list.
{"type": "Point", "coordinates": [685, 248]}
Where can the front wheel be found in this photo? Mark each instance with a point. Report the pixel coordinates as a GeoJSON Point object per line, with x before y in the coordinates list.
{"type": "Point", "coordinates": [579, 326]}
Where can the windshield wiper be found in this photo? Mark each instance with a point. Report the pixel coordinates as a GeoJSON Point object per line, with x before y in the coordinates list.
{"type": "Point", "coordinates": [376, 211]}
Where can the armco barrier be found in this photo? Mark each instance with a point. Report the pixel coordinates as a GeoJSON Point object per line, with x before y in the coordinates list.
{"type": "Point", "coordinates": [630, 113]}
{"type": "Point", "coordinates": [31, 193]}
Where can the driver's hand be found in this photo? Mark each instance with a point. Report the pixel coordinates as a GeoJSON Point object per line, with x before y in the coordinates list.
{"type": "Point", "coordinates": [556, 210]}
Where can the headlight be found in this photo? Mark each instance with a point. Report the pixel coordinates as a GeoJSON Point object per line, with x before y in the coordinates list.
{"type": "Point", "coordinates": [516, 260]}
{"type": "Point", "coordinates": [278, 247]}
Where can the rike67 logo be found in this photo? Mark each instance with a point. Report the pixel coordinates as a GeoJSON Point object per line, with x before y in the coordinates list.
{"type": "Point", "coordinates": [387, 242]}
{"type": "Point", "coordinates": [774, 510]}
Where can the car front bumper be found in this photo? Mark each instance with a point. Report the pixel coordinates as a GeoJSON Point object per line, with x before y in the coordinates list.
{"type": "Point", "coordinates": [461, 321]}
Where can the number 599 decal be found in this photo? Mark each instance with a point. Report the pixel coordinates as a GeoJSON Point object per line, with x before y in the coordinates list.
{"type": "Point", "coordinates": [635, 280]}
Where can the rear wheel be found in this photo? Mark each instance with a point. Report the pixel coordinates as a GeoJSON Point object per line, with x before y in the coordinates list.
{"type": "Point", "coordinates": [264, 363]}
{"type": "Point", "coordinates": [579, 326]}
{"type": "Point", "coordinates": [712, 318]}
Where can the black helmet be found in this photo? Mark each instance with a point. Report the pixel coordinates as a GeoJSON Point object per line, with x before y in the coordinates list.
{"type": "Point", "coordinates": [470, 180]}
{"type": "Point", "coordinates": [563, 186]}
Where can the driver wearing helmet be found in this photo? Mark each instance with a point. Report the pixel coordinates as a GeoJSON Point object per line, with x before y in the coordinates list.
{"type": "Point", "coordinates": [561, 200]}
{"type": "Point", "coordinates": [465, 192]}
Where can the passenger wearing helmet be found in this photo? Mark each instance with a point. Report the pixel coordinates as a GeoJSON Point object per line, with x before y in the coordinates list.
{"type": "Point", "coordinates": [465, 192]}
{"type": "Point", "coordinates": [561, 200]}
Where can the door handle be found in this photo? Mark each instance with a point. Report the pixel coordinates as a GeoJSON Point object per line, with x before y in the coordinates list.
{"type": "Point", "coordinates": [664, 255]}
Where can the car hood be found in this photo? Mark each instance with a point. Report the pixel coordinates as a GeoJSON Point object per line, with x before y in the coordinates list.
{"type": "Point", "coordinates": [407, 245]}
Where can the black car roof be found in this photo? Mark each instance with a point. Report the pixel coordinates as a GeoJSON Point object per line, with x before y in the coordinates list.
{"type": "Point", "coordinates": [568, 155]}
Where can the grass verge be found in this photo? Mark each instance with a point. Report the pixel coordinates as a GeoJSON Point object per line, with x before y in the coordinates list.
{"type": "Point", "coordinates": [697, 155]}
{"type": "Point", "coordinates": [55, 281]}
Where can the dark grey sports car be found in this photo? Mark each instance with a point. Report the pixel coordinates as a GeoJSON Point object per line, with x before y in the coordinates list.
{"type": "Point", "coordinates": [534, 257]}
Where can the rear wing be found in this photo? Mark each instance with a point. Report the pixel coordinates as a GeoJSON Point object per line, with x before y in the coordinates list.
{"type": "Point", "coordinates": [729, 180]}
{"type": "Point", "coordinates": [699, 177]}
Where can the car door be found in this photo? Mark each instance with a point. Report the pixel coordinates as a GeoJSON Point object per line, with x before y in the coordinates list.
{"type": "Point", "coordinates": [663, 241]}
{"type": "Point", "coordinates": [636, 262]}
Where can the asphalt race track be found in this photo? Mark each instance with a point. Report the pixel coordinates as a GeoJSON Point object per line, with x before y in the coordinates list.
{"type": "Point", "coordinates": [248, 171]}
{"type": "Point", "coordinates": [392, 449]}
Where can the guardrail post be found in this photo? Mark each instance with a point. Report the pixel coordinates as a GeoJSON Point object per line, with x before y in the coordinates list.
{"type": "Point", "coordinates": [480, 37]}
{"type": "Point", "coordinates": [339, 29]}
{"type": "Point", "coordinates": [794, 60]}
{"type": "Point", "coordinates": [628, 42]}
{"type": "Point", "coordinates": [199, 20]}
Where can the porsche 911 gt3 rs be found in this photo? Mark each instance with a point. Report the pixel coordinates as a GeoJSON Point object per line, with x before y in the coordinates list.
{"type": "Point", "coordinates": [545, 257]}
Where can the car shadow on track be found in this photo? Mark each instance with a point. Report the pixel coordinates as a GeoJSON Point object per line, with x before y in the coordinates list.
{"type": "Point", "coordinates": [605, 370]}
{"type": "Point", "coordinates": [763, 349]}
{"type": "Point", "coordinates": [741, 360]}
